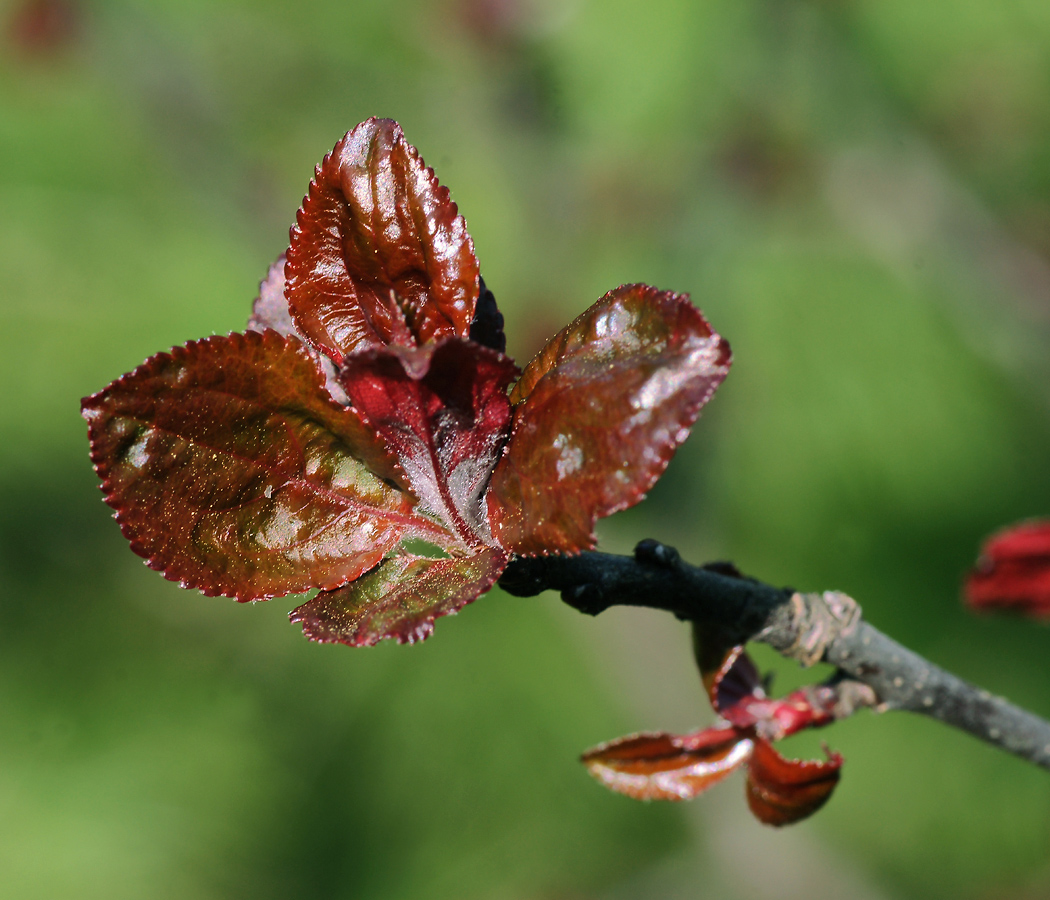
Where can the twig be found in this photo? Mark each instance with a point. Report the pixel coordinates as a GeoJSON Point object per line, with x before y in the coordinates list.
{"type": "Point", "coordinates": [808, 628]}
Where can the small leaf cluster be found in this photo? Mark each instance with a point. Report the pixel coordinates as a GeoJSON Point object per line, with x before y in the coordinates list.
{"type": "Point", "coordinates": [780, 791]}
{"type": "Point", "coordinates": [368, 437]}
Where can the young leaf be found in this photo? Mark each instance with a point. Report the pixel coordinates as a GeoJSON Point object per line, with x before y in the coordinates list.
{"type": "Point", "coordinates": [270, 310]}
{"type": "Point", "coordinates": [1013, 572]}
{"type": "Point", "coordinates": [664, 766]}
{"type": "Point", "coordinates": [730, 676]}
{"type": "Point", "coordinates": [782, 791]}
{"type": "Point", "coordinates": [598, 415]}
{"type": "Point", "coordinates": [400, 598]}
{"type": "Point", "coordinates": [232, 471]}
{"type": "Point", "coordinates": [379, 254]}
{"type": "Point", "coordinates": [443, 413]}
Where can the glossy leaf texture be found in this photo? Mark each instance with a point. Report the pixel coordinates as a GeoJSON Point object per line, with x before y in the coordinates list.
{"type": "Point", "coordinates": [598, 415]}
{"type": "Point", "coordinates": [783, 791]}
{"type": "Point", "coordinates": [672, 767]}
{"type": "Point", "coordinates": [232, 471]}
{"type": "Point", "coordinates": [664, 766]}
{"type": "Point", "coordinates": [399, 599]}
{"type": "Point", "coordinates": [1013, 572]}
{"type": "Point", "coordinates": [270, 310]}
{"type": "Point", "coordinates": [442, 411]}
{"type": "Point", "coordinates": [379, 253]}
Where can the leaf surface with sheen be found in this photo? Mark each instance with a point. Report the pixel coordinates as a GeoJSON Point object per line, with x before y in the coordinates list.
{"type": "Point", "coordinates": [232, 471]}
{"type": "Point", "coordinates": [270, 310]}
{"type": "Point", "coordinates": [598, 415]}
{"type": "Point", "coordinates": [782, 791]}
{"type": "Point", "coordinates": [442, 412]}
{"type": "Point", "coordinates": [399, 599]}
{"type": "Point", "coordinates": [379, 253]}
{"type": "Point", "coordinates": [662, 766]}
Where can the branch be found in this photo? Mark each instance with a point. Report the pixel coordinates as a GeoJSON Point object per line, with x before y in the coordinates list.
{"type": "Point", "coordinates": [808, 628]}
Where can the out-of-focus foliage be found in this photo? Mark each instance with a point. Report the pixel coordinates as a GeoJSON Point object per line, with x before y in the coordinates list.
{"type": "Point", "coordinates": [856, 193]}
{"type": "Point", "coordinates": [661, 766]}
{"type": "Point", "coordinates": [1013, 571]}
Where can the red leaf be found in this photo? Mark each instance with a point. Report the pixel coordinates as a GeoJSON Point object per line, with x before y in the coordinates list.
{"type": "Point", "coordinates": [379, 253]}
{"type": "Point", "coordinates": [443, 412]}
{"type": "Point", "coordinates": [400, 599]}
{"type": "Point", "coordinates": [730, 677]}
{"type": "Point", "coordinates": [270, 310]}
{"type": "Point", "coordinates": [1014, 571]}
{"type": "Point", "coordinates": [599, 413]}
{"type": "Point", "coordinates": [781, 791]}
{"type": "Point", "coordinates": [663, 766]}
{"type": "Point", "coordinates": [233, 472]}
{"type": "Point", "coordinates": [735, 688]}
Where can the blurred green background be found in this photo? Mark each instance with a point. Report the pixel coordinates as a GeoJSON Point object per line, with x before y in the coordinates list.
{"type": "Point", "coordinates": [856, 193]}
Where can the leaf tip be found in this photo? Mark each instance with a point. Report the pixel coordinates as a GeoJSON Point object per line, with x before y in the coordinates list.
{"type": "Point", "coordinates": [783, 791]}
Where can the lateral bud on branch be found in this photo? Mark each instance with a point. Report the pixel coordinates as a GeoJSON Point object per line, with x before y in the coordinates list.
{"type": "Point", "coordinates": [813, 622]}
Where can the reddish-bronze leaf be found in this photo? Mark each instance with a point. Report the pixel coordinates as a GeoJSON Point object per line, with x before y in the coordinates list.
{"type": "Point", "coordinates": [730, 676]}
{"type": "Point", "coordinates": [781, 791]}
{"type": "Point", "coordinates": [379, 253]}
{"type": "Point", "coordinates": [1013, 572]}
{"type": "Point", "coordinates": [735, 689]}
{"type": "Point", "coordinates": [443, 412]}
{"type": "Point", "coordinates": [232, 471]}
{"type": "Point", "coordinates": [599, 413]}
{"type": "Point", "coordinates": [270, 310]}
{"type": "Point", "coordinates": [400, 598]}
{"type": "Point", "coordinates": [662, 766]}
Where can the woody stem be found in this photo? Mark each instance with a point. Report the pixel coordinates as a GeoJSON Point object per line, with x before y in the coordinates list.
{"type": "Point", "coordinates": [806, 627]}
